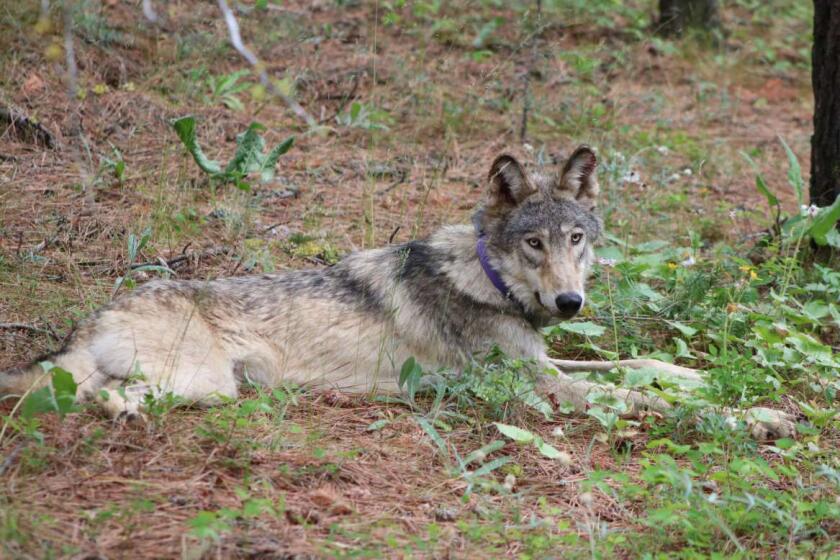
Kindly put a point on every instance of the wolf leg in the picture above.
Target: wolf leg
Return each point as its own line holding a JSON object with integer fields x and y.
{"x": 560, "y": 389}
{"x": 173, "y": 352}
{"x": 670, "y": 370}
{"x": 763, "y": 423}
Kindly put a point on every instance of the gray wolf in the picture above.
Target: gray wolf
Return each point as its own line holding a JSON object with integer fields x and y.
{"x": 521, "y": 265}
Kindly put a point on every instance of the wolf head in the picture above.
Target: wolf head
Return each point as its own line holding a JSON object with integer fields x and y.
{"x": 540, "y": 229}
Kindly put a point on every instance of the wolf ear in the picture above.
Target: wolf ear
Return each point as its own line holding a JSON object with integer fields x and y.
{"x": 578, "y": 180}
{"x": 509, "y": 184}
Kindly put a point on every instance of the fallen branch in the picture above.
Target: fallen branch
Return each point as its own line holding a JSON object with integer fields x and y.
{"x": 247, "y": 54}
{"x": 175, "y": 262}
{"x": 28, "y": 327}
{"x": 25, "y": 129}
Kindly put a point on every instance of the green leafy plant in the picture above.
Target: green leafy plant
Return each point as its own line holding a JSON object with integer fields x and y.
{"x": 248, "y": 158}
{"x": 226, "y": 88}
{"x": 364, "y": 116}
{"x": 525, "y": 437}
{"x": 58, "y": 397}
{"x": 135, "y": 246}
{"x": 819, "y": 224}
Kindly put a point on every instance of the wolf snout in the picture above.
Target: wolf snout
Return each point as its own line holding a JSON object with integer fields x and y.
{"x": 569, "y": 303}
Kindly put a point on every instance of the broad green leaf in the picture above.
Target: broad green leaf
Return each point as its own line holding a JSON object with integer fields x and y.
{"x": 824, "y": 222}
{"x": 794, "y": 173}
{"x": 38, "y": 402}
{"x": 248, "y": 156}
{"x": 484, "y": 451}
{"x": 491, "y": 466}
{"x": 267, "y": 170}
{"x": 548, "y": 450}
{"x": 763, "y": 189}
{"x": 64, "y": 389}
{"x": 682, "y": 349}
{"x": 518, "y": 435}
{"x": 683, "y": 328}
{"x": 59, "y": 396}
{"x": 641, "y": 377}
{"x": 185, "y": 128}
{"x": 815, "y": 310}
{"x": 812, "y": 348}
{"x": 760, "y": 185}
{"x": 605, "y": 418}
{"x": 651, "y": 246}
{"x": 676, "y": 448}
{"x": 407, "y": 368}
{"x": 610, "y": 253}
{"x": 434, "y": 435}
{"x": 378, "y": 425}
{"x": 832, "y": 238}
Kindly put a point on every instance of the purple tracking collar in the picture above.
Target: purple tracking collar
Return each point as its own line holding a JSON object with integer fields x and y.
{"x": 492, "y": 273}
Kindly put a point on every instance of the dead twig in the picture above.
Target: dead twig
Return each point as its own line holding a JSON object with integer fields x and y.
{"x": 175, "y": 262}
{"x": 247, "y": 54}
{"x": 10, "y": 458}
{"x": 28, "y": 327}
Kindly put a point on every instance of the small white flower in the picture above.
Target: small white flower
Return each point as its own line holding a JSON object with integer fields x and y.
{"x": 812, "y": 211}
{"x": 528, "y": 147}
{"x": 558, "y": 432}
{"x": 510, "y": 482}
{"x": 713, "y": 498}
{"x": 632, "y": 177}
{"x": 663, "y": 150}
{"x": 687, "y": 172}
{"x": 564, "y": 459}
{"x": 733, "y": 214}
{"x": 603, "y": 261}
{"x": 689, "y": 261}
{"x": 674, "y": 177}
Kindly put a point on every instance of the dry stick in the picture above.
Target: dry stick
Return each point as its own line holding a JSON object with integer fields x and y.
{"x": 27, "y": 327}
{"x": 236, "y": 41}
{"x": 149, "y": 11}
{"x": 25, "y": 128}
{"x": 212, "y": 252}
{"x": 526, "y": 87}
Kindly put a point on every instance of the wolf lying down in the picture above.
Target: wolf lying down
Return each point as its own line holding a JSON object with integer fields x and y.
{"x": 522, "y": 265}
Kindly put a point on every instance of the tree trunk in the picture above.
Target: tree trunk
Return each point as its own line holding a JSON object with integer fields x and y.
{"x": 825, "y": 143}
{"x": 675, "y": 16}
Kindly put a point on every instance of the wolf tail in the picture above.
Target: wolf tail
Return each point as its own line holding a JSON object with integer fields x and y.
{"x": 17, "y": 381}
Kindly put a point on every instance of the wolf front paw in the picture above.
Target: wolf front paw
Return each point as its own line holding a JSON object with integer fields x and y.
{"x": 767, "y": 424}
{"x": 130, "y": 417}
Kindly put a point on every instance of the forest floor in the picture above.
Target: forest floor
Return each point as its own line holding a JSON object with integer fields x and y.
{"x": 415, "y": 101}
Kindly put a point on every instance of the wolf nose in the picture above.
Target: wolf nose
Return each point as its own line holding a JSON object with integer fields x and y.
{"x": 569, "y": 303}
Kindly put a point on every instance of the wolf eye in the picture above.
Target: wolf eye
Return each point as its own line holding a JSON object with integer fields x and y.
{"x": 576, "y": 237}
{"x": 534, "y": 243}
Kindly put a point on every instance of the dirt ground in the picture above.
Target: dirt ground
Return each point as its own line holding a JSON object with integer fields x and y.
{"x": 437, "y": 114}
